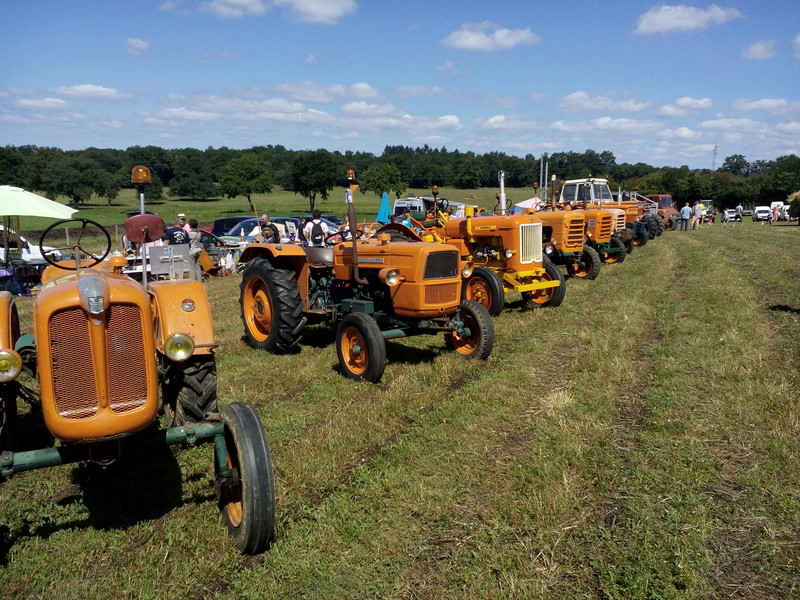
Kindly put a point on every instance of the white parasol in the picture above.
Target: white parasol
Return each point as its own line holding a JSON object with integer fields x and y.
{"x": 17, "y": 202}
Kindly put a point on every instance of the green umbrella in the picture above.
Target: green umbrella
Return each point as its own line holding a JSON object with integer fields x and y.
{"x": 17, "y": 202}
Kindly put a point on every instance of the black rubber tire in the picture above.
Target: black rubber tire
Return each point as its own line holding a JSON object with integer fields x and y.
{"x": 271, "y": 308}
{"x": 361, "y": 348}
{"x": 247, "y": 505}
{"x": 478, "y": 345}
{"x": 555, "y": 296}
{"x": 643, "y": 236}
{"x": 615, "y": 257}
{"x": 589, "y": 265}
{"x": 189, "y": 389}
{"x": 8, "y": 416}
{"x": 485, "y": 288}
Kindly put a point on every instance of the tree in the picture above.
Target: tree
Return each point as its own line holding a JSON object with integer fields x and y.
{"x": 192, "y": 176}
{"x": 736, "y": 164}
{"x": 313, "y": 173}
{"x": 382, "y": 178}
{"x": 75, "y": 177}
{"x": 244, "y": 176}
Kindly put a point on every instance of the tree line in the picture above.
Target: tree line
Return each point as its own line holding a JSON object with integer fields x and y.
{"x": 101, "y": 173}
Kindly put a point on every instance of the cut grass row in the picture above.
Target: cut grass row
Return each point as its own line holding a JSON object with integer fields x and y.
{"x": 640, "y": 441}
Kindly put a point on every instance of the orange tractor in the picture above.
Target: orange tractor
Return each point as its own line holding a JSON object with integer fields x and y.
{"x": 505, "y": 249}
{"x": 107, "y": 355}
{"x": 374, "y": 289}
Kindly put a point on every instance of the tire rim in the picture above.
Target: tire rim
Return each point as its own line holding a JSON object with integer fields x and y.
{"x": 257, "y": 309}
{"x": 580, "y": 268}
{"x": 478, "y": 290}
{"x": 542, "y": 296}
{"x": 466, "y": 345}
{"x": 354, "y": 350}
{"x": 232, "y": 494}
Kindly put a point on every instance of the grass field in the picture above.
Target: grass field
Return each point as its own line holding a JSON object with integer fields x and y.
{"x": 642, "y": 441}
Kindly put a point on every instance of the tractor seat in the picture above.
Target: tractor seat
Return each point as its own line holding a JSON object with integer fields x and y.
{"x": 319, "y": 257}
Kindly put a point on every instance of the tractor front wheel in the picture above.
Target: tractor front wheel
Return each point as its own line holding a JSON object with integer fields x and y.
{"x": 588, "y": 267}
{"x": 246, "y": 491}
{"x": 552, "y": 297}
{"x": 477, "y": 339}
{"x": 485, "y": 288}
{"x": 361, "y": 348}
{"x": 271, "y": 307}
{"x": 190, "y": 389}
{"x": 618, "y": 255}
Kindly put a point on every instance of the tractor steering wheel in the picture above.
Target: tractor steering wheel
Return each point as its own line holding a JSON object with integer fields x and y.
{"x": 443, "y": 205}
{"x": 78, "y": 246}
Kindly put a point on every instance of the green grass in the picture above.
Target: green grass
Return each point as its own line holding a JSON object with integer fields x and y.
{"x": 640, "y": 441}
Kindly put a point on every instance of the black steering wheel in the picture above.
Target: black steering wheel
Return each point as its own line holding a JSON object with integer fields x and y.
{"x": 443, "y": 204}
{"x": 77, "y": 247}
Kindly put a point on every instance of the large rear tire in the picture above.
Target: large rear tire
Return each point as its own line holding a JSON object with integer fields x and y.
{"x": 589, "y": 265}
{"x": 551, "y": 297}
{"x": 246, "y": 498}
{"x": 485, "y": 288}
{"x": 478, "y": 343}
{"x": 361, "y": 348}
{"x": 272, "y": 310}
{"x": 189, "y": 389}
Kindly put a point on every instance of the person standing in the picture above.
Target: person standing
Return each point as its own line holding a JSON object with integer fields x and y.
{"x": 183, "y": 223}
{"x": 316, "y": 230}
{"x": 176, "y": 235}
{"x": 739, "y": 211}
{"x": 697, "y": 215}
{"x": 195, "y": 248}
{"x": 686, "y": 214}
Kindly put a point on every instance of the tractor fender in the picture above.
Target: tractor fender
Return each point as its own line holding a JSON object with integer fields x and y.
{"x": 181, "y": 306}
{"x": 9, "y": 321}
{"x": 282, "y": 256}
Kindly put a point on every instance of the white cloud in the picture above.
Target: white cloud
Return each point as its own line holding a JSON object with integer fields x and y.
{"x": 684, "y": 106}
{"x": 422, "y": 91}
{"x": 311, "y": 59}
{"x": 325, "y": 12}
{"x": 775, "y": 106}
{"x": 665, "y": 18}
{"x": 762, "y": 50}
{"x": 580, "y": 101}
{"x": 606, "y": 125}
{"x": 367, "y": 110}
{"x": 88, "y": 91}
{"x": 509, "y": 123}
{"x": 364, "y": 91}
{"x": 308, "y": 91}
{"x": 450, "y": 67}
{"x": 47, "y": 104}
{"x": 174, "y": 7}
{"x": 136, "y": 46}
{"x": 681, "y": 133}
{"x": 796, "y": 46}
{"x": 488, "y": 37}
{"x": 733, "y": 125}
{"x": 234, "y": 9}
{"x": 182, "y": 113}
{"x": 791, "y": 128}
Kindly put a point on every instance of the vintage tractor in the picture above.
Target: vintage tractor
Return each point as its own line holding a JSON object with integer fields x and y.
{"x": 104, "y": 348}
{"x": 505, "y": 249}
{"x": 374, "y": 289}
{"x": 667, "y": 213}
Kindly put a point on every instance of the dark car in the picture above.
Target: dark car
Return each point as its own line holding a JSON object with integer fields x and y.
{"x": 225, "y": 224}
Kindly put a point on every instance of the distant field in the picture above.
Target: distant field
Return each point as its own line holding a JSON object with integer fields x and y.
{"x": 642, "y": 441}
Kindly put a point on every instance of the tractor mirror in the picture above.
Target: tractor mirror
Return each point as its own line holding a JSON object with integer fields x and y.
{"x": 142, "y": 229}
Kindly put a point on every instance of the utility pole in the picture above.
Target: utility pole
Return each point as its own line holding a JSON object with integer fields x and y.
{"x": 714, "y": 159}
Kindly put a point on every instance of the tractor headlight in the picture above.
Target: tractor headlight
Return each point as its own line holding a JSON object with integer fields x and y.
{"x": 509, "y": 253}
{"x": 10, "y": 365}
{"x": 466, "y": 269}
{"x": 548, "y": 249}
{"x": 179, "y": 347}
{"x": 390, "y": 277}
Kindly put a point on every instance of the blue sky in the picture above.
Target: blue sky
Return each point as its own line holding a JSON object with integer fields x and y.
{"x": 657, "y": 83}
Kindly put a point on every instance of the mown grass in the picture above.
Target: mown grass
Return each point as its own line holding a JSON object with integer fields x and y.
{"x": 640, "y": 441}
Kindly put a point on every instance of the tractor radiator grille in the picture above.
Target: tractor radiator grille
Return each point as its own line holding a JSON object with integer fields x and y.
{"x": 442, "y": 265}
{"x": 441, "y": 294}
{"x": 530, "y": 243}
{"x": 77, "y": 390}
{"x": 73, "y": 376}
{"x": 127, "y": 382}
{"x": 619, "y": 222}
{"x": 573, "y": 237}
{"x": 605, "y": 226}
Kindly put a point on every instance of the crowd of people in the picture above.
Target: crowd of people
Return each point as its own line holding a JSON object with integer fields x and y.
{"x": 691, "y": 217}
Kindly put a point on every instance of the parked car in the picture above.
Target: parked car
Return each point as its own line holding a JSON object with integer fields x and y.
{"x": 762, "y": 213}
{"x": 731, "y": 215}
{"x": 25, "y": 250}
{"x": 223, "y": 225}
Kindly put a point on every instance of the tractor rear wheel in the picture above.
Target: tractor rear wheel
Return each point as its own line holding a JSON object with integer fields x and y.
{"x": 552, "y": 297}
{"x": 190, "y": 389}
{"x": 361, "y": 348}
{"x": 485, "y": 288}
{"x": 478, "y": 343}
{"x": 642, "y": 236}
{"x": 588, "y": 267}
{"x": 272, "y": 310}
{"x": 614, "y": 257}
{"x": 246, "y": 497}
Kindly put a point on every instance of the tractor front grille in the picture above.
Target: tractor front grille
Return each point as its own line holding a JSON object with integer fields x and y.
{"x": 76, "y": 386}
{"x": 446, "y": 293}
{"x": 573, "y": 235}
{"x": 619, "y": 221}
{"x": 442, "y": 265}
{"x": 605, "y": 225}
{"x": 530, "y": 243}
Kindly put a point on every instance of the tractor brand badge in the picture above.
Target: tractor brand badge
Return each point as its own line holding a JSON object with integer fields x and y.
{"x": 592, "y": 222}
{"x": 485, "y": 228}
{"x": 370, "y": 260}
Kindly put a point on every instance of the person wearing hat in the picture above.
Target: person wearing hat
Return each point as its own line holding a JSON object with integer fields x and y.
{"x": 182, "y": 222}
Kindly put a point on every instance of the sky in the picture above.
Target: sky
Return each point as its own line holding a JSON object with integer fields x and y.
{"x": 664, "y": 84}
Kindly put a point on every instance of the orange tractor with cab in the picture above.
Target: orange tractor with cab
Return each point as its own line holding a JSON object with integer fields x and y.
{"x": 375, "y": 289}
{"x": 107, "y": 355}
